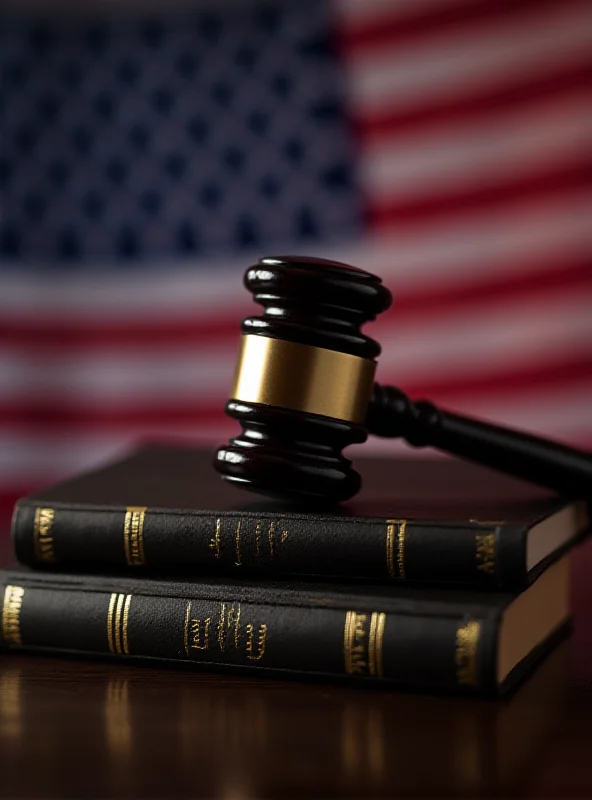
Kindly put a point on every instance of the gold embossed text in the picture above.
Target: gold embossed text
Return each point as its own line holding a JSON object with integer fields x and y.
{"x": 467, "y": 644}
{"x": 42, "y": 538}
{"x": 11, "y": 615}
{"x": 133, "y": 536}
{"x": 485, "y": 554}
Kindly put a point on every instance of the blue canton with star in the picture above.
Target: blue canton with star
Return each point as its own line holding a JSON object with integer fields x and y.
{"x": 204, "y": 133}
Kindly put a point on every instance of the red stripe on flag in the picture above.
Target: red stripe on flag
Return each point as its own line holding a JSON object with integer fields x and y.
{"x": 514, "y": 93}
{"x": 523, "y": 281}
{"x": 570, "y": 371}
{"x": 99, "y": 334}
{"x": 391, "y": 30}
{"x": 383, "y": 214}
{"x": 64, "y": 416}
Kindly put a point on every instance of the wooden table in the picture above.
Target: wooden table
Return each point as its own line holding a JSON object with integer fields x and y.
{"x": 73, "y": 729}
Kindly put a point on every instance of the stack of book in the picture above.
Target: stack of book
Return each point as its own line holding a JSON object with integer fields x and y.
{"x": 437, "y": 576}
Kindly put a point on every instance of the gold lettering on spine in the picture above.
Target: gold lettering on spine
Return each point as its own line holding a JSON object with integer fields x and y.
{"x": 229, "y": 626}
{"x": 267, "y": 537}
{"x": 133, "y": 536}
{"x": 348, "y": 634}
{"x": 354, "y": 642}
{"x": 363, "y": 644}
{"x": 258, "y": 539}
{"x": 237, "y": 628}
{"x": 256, "y": 647}
{"x": 237, "y": 544}
{"x": 358, "y": 652}
{"x": 216, "y": 541}
{"x": 395, "y": 547}
{"x": 225, "y": 632}
{"x": 467, "y": 645}
{"x": 42, "y": 539}
{"x": 186, "y": 628}
{"x": 11, "y": 616}
{"x": 222, "y": 626}
{"x": 200, "y": 635}
{"x": 230, "y": 623}
{"x": 485, "y": 552}
{"x": 401, "y": 548}
{"x": 390, "y": 546}
{"x": 117, "y": 623}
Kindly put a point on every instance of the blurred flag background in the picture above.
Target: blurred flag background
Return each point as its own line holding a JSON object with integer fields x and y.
{"x": 150, "y": 152}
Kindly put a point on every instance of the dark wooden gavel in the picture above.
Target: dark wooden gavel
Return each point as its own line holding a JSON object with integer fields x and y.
{"x": 304, "y": 389}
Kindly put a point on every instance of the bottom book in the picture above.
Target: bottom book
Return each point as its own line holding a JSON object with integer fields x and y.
{"x": 471, "y": 642}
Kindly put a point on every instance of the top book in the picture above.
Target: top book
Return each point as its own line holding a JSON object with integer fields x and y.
{"x": 163, "y": 509}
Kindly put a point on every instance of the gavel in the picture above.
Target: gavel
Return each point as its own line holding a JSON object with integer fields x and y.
{"x": 304, "y": 390}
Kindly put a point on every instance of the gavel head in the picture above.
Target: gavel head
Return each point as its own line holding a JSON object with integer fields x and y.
{"x": 303, "y": 379}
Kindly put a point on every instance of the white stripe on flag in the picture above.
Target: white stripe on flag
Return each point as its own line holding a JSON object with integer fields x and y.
{"x": 493, "y": 148}
{"x": 487, "y": 340}
{"x": 479, "y": 56}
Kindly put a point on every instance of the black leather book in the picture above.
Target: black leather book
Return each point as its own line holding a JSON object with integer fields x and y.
{"x": 477, "y": 643}
{"x": 164, "y": 510}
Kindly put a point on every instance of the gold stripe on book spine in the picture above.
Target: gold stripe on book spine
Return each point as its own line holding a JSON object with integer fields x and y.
{"x": 372, "y": 645}
{"x": 133, "y": 536}
{"x": 11, "y": 616}
{"x": 124, "y": 624}
{"x": 117, "y": 623}
{"x": 348, "y": 640}
{"x": 375, "y": 640}
{"x": 362, "y": 644}
{"x": 110, "y": 633}
{"x": 380, "y": 627}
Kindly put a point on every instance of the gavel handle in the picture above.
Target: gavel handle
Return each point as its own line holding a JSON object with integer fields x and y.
{"x": 564, "y": 469}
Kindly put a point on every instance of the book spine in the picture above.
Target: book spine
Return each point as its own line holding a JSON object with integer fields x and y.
{"x": 387, "y": 550}
{"x": 413, "y": 651}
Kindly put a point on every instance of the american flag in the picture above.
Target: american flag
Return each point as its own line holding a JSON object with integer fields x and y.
{"x": 147, "y": 158}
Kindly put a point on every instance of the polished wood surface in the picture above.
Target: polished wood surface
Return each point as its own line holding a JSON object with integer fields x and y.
{"x": 103, "y": 729}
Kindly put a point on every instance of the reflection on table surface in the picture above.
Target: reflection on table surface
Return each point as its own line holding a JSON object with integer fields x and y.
{"x": 70, "y": 728}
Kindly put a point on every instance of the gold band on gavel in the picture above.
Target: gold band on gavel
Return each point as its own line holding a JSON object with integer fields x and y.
{"x": 301, "y": 377}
